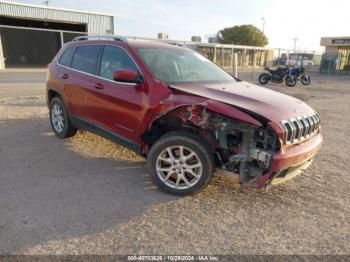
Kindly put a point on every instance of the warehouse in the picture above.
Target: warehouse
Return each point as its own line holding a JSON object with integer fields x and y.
{"x": 31, "y": 35}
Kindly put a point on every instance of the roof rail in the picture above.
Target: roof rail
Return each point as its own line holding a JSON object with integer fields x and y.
{"x": 101, "y": 37}
{"x": 171, "y": 42}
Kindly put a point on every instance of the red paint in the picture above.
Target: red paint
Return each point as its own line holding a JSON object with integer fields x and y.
{"x": 125, "y": 76}
{"x": 130, "y": 109}
{"x": 273, "y": 105}
{"x": 291, "y": 156}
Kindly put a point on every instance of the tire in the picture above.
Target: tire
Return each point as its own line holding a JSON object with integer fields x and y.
{"x": 59, "y": 119}
{"x": 175, "y": 175}
{"x": 264, "y": 79}
{"x": 291, "y": 81}
{"x": 305, "y": 80}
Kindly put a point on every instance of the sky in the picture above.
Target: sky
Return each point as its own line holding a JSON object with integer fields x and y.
{"x": 306, "y": 20}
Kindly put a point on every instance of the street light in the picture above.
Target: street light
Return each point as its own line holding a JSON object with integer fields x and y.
{"x": 263, "y": 19}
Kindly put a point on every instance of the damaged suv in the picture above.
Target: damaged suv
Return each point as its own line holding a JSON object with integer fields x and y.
{"x": 186, "y": 115}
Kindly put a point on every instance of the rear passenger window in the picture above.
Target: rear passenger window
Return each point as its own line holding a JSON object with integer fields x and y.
{"x": 113, "y": 59}
{"x": 85, "y": 58}
{"x": 67, "y": 56}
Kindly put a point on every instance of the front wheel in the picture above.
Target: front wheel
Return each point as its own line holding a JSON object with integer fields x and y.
{"x": 264, "y": 79}
{"x": 181, "y": 163}
{"x": 291, "y": 81}
{"x": 305, "y": 80}
{"x": 59, "y": 119}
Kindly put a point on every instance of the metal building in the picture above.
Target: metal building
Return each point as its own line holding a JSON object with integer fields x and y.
{"x": 31, "y": 35}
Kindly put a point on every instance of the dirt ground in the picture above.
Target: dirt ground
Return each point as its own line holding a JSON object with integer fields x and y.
{"x": 86, "y": 195}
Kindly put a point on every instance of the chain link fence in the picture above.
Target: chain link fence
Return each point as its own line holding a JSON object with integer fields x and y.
{"x": 29, "y": 47}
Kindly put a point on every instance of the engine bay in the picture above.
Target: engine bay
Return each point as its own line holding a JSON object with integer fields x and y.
{"x": 243, "y": 149}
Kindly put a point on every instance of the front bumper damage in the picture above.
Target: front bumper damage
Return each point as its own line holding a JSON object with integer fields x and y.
{"x": 288, "y": 163}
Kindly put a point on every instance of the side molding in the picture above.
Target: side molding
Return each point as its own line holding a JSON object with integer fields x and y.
{"x": 87, "y": 125}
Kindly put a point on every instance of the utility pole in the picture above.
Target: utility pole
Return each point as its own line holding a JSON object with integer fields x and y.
{"x": 296, "y": 57}
{"x": 295, "y": 43}
{"x": 46, "y": 2}
{"x": 263, "y": 19}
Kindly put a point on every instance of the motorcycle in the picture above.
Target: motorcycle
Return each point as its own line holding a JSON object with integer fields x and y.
{"x": 279, "y": 75}
{"x": 299, "y": 74}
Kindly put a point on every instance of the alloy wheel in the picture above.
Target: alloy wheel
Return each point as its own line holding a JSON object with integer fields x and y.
{"x": 179, "y": 167}
{"x": 57, "y": 118}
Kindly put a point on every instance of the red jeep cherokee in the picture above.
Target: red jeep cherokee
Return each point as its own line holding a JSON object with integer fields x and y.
{"x": 181, "y": 111}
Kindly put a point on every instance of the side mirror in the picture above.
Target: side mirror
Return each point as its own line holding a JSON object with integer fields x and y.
{"x": 126, "y": 76}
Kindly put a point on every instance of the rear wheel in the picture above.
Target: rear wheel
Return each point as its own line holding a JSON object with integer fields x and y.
{"x": 305, "y": 80}
{"x": 181, "y": 163}
{"x": 264, "y": 79}
{"x": 59, "y": 119}
{"x": 291, "y": 81}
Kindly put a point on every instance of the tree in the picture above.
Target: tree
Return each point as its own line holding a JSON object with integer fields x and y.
{"x": 242, "y": 35}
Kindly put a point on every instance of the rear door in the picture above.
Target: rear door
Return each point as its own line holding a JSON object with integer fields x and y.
{"x": 80, "y": 79}
{"x": 117, "y": 106}
{"x": 64, "y": 72}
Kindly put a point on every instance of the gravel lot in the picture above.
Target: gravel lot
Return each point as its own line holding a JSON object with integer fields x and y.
{"x": 87, "y": 195}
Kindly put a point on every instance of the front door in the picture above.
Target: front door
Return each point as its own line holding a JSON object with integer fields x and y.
{"x": 117, "y": 106}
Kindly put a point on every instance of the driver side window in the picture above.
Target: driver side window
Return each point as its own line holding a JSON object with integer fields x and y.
{"x": 113, "y": 59}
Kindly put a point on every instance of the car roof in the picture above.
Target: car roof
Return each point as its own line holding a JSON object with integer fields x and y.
{"x": 153, "y": 44}
{"x": 130, "y": 42}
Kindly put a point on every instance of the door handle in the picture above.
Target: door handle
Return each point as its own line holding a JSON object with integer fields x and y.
{"x": 99, "y": 86}
{"x": 64, "y": 76}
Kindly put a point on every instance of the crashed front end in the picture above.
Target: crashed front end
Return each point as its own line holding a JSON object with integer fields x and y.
{"x": 261, "y": 136}
{"x": 268, "y": 154}
{"x": 256, "y": 150}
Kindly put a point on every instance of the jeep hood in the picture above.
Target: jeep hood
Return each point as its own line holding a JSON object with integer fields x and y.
{"x": 268, "y": 103}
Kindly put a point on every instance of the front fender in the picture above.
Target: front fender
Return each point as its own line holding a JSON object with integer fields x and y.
{"x": 182, "y": 103}
{"x": 231, "y": 112}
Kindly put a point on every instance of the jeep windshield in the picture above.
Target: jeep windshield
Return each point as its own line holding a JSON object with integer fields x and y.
{"x": 180, "y": 66}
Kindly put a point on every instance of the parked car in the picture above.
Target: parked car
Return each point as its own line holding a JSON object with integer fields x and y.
{"x": 300, "y": 62}
{"x": 280, "y": 61}
{"x": 183, "y": 113}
